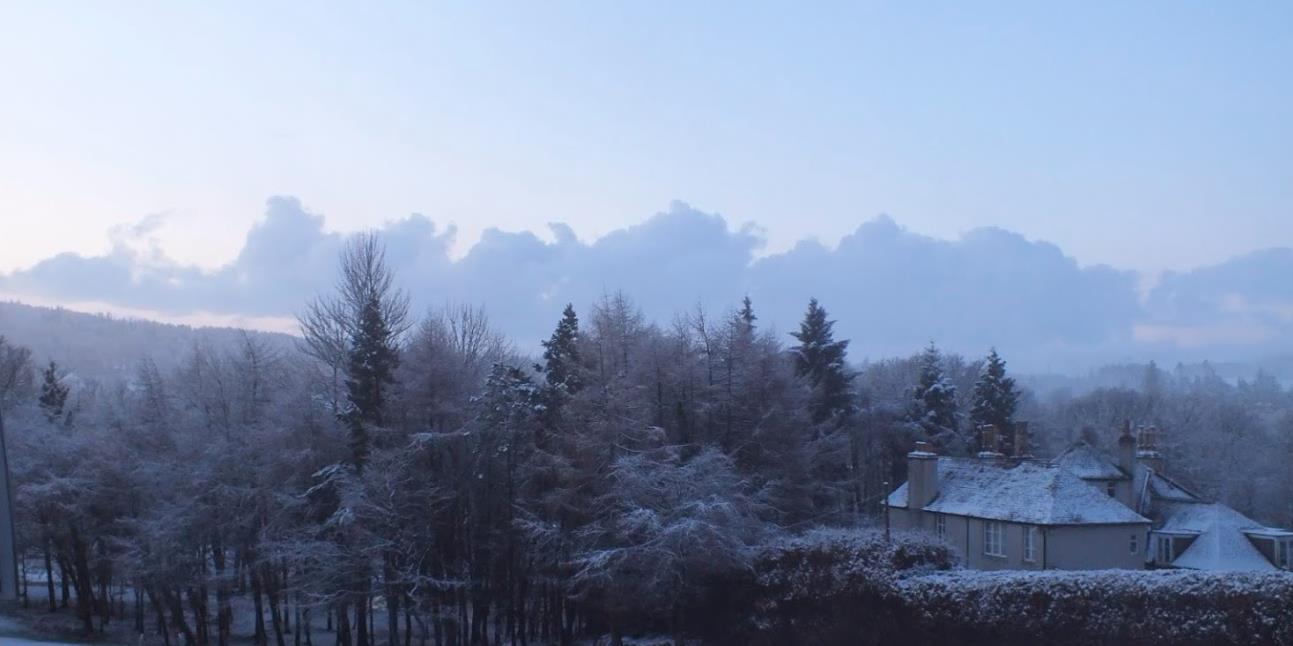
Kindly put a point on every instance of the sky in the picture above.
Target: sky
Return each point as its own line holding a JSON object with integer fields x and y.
{"x": 1147, "y": 136}
{"x": 1098, "y": 180}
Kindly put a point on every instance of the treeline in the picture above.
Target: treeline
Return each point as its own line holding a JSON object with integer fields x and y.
{"x": 414, "y": 482}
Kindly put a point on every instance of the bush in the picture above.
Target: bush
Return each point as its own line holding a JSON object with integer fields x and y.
{"x": 851, "y": 587}
{"x": 836, "y": 586}
{"x": 1100, "y": 607}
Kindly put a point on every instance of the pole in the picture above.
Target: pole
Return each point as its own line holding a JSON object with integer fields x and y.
{"x": 8, "y": 533}
{"x": 884, "y": 488}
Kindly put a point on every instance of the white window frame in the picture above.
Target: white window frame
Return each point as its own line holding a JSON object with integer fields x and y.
{"x": 940, "y": 525}
{"x": 1135, "y": 544}
{"x": 1166, "y": 550}
{"x": 1030, "y": 544}
{"x": 994, "y": 538}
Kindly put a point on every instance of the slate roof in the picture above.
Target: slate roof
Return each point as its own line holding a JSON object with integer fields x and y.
{"x": 1221, "y": 543}
{"x": 1089, "y": 463}
{"x": 1026, "y": 492}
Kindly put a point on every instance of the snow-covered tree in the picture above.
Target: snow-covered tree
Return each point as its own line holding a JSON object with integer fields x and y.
{"x": 933, "y": 403}
{"x": 820, "y": 360}
{"x": 995, "y": 400}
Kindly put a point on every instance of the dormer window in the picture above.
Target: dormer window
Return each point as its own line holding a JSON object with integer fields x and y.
{"x": 1111, "y": 488}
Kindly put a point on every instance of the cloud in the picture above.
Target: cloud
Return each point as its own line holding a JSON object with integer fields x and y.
{"x": 1245, "y": 303}
{"x": 891, "y": 290}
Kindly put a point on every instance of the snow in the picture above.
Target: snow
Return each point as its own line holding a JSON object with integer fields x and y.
{"x": 1026, "y": 492}
{"x": 1221, "y": 544}
{"x": 1089, "y": 463}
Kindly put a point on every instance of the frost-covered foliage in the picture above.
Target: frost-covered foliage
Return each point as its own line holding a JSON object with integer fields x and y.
{"x": 1101, "y": 607}
{"x": 933, "y": 404}
{"x": 835, "y": 586}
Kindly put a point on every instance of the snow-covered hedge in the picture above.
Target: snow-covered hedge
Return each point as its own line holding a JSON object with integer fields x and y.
{"x": 836, "y": 586}
{"x": 1101, "y": 607}
{"x": 851, "y": 587}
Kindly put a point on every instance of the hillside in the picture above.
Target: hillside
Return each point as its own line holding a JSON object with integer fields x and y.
{"x": 100, "y": 346}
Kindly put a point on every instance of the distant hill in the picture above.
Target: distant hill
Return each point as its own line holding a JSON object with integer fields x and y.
{"x": 101, "y": 346}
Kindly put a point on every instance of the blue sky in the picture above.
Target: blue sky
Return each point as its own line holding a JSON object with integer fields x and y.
{"x": 1142, "y": 135}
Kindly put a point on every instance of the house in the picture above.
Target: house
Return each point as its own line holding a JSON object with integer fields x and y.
{"x": 1081, "y": 510}
{"x": 1016, "y": 512}
{"x": 1188, "y": 531}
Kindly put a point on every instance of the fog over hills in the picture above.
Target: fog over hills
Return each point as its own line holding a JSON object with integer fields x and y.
{"x": 891, "y": 290}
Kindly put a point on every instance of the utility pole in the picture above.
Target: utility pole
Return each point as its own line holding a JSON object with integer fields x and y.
{"x": 8, "y": 533}
{"x": 884, "y": 489}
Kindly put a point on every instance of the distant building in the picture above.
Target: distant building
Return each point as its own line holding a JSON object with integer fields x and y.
{"x": 1082, "y": 510}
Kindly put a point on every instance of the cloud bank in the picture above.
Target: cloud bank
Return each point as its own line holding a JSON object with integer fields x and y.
{"x": 891, "y": 290}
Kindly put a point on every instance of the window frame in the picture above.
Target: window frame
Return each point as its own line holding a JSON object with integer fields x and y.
{"x": 1135, "y": 544}
{"x": 1166, "y": 552}
{"x": 1030, "y": 543}
{"x": 1284, "y": 553}
{"x": 940, "y": 525}
{"x": 994, "y": 530}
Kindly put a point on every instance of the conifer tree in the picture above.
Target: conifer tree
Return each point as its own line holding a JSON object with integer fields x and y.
{"x": 995, "y": 401}
{"x": 933, "y": 405}
{"x": 53, "y": 394}
{"x": 746, "y": 315}
{"x": 371, "y": 368}
{"x": 819, "y": 358}
{"x": 561, "y": 354}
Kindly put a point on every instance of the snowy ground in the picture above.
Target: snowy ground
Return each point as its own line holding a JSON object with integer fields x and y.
{"x": 9, "y": 628}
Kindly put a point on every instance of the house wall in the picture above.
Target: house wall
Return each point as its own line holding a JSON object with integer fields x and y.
{"x": 1077, "y": 547}
{"x": 1096, "y": 547}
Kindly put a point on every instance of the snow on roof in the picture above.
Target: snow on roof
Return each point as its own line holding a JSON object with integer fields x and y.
{"x": 1221, "y": 544}
{"x": 1161, "y": 487}
{"x": 1089, "y": 463}
{"x": 1026, "y": 492}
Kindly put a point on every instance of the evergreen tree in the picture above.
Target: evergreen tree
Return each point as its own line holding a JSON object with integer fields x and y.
{"x": 819, "y": 358}
{"x": 561, "y": 354}
{"x": 933, "y": 405}
{"x": 371, "y": 368}
{"x": 995, "y": 401}
{"x": 53, "y": 394}
{"x": 746, "y": 315}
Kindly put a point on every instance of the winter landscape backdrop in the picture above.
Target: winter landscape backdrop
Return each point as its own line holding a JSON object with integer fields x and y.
{"x": 396, "y": 324}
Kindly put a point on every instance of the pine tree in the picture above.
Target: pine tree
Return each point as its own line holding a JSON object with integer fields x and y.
{"x": 933, "y": 405}
{"x": 819, "y": 358}
{"x": 561, "y": 354}
{"x": 53, "y": 394}
{"x": 371, "y": 368}
{"x": 995, "y": 401}
{"x": 746, "y": 315}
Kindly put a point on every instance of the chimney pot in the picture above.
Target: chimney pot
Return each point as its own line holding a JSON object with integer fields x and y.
{"x": 1022, "y": 449}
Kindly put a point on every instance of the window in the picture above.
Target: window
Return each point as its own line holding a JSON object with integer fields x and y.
{"x": 1030, "y": 544}
{"x": 940, "y": 525}
{"x": 1111, "y": 488}
{"x": 994, "y": 539}
{"x": 1165, "y": 552}
{"x": 1284, "y": 554}
{"x": 1135, "y": 544}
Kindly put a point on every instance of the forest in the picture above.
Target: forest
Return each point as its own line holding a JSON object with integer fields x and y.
{"x": 395, "y": 478}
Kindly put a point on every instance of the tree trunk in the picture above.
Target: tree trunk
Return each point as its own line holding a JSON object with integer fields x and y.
{"x": 343, "y": 624}
{"x": 258, "y": 602}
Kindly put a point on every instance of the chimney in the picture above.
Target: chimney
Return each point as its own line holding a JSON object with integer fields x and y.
{"x": 1022, "y": 449}
{"x": 1126, "y": 449}
{"x": 989, "y": 447}
{"x": 1147, "y": 448}
{"x": 922, "y": 476}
